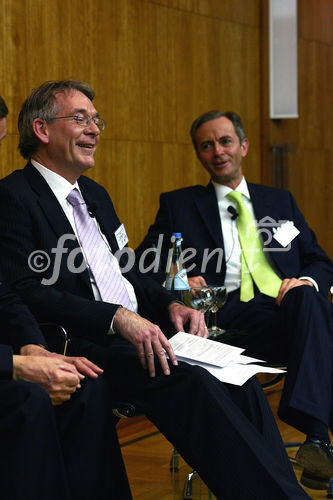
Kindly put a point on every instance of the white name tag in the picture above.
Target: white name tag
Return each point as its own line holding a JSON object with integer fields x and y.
{"x": 121, "y": 236}
{"x": 286, "y": 233}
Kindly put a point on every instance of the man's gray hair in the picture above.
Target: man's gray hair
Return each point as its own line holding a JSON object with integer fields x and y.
{"x": 42, "y": 103}
{"x": 3, "y": 108}
{"x": 213, "y": 115}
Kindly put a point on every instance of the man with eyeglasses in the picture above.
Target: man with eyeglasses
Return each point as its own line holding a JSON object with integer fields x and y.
{"x": 49, "y": 404}
{"x": 111, "y": 315}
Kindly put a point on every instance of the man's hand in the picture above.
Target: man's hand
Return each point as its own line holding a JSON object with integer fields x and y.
{"x": 287, "y": 284}
{"x": 34, "y": 350}
{"x": 58, "y": 378}
{"x": 83, "y": 365}
{"x": 196, "y": 281}
{"x": 180, "y": 315}
{"x": 146, "y": 337}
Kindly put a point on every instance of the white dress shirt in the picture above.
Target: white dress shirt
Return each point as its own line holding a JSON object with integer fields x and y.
{"x": 61, "y": 189}
{"x": 232, "y": 246}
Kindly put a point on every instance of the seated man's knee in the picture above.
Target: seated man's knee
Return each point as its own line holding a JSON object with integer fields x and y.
{"x": 301, "y": 293}
{"x": 31, "y": 396}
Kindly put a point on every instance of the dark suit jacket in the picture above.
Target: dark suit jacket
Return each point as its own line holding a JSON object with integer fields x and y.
{"x": 193, "y": 211}
{"x": 18, "y": 328}
{"x": 31, "y": 220}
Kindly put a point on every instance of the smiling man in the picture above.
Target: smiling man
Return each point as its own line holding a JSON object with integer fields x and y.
{"x": 44, "y": 448}
{"x": 278, "y": 285}
{"x": 221, "y": 150}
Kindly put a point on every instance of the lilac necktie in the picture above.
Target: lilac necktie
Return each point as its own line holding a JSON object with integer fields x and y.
{"x": 107, "y": 278}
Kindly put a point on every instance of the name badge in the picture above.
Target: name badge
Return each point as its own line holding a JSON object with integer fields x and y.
{"x": 121, "y": 236}
{"x": 286, "y": 233}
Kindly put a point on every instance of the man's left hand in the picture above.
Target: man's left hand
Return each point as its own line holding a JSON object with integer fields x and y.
{"x": 83, "y": 365}
{"x": 287, "y": 284}
{"x": 180, "y": 315}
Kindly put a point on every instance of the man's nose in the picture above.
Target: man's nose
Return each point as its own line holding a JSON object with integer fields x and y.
{"x": 218, "y": 148}
{"x": 92, "y": 128}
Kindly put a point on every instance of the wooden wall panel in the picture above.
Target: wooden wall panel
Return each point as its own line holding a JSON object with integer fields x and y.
{"x": 310, "y": 166}
{"x": 311, "y": 182}
{"x": 238, "y": 11}
{"x": 148, "y": 166}
{"x": 155, "y": 66}
{"x": 315, "y": 99}
{"x": 316, "y": 20}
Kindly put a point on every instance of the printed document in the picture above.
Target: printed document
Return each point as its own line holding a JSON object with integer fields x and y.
{"x": 225, "y": 362}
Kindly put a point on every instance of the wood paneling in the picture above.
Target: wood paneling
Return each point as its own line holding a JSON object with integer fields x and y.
{"x": 310, "y": 166}
{"x": 155, "y": 66}
{"x": 316, "y": 20}
{"x": 238, "y": 11}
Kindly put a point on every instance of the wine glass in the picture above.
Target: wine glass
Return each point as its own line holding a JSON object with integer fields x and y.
{"x": 220, "y": 295}
{"x": 200, "y": 298}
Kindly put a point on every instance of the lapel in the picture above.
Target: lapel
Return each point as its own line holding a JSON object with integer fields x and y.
{"x": 261, "y": 200}
{"x": 266, "y": 209}
{"x": 47, "y": 201}
{"x": 207, "y": 206}
{"x": 53, "y": 212}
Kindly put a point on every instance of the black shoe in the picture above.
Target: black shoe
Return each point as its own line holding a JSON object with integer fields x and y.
{"x": 316, "y": 456}
{"x": 313, "y": 481}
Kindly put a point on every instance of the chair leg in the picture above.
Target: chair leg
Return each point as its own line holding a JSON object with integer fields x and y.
{"x": 174, "y": 461}
{"x": 188, "y": 485}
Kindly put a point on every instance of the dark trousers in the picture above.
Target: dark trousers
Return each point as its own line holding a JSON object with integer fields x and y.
{"x": 31, "y": 462}
{"x": 298, "y": 333}
{"x": 228, "y": 434}
{"x": 67, "y": 452}
{"x": 89, "y": 442}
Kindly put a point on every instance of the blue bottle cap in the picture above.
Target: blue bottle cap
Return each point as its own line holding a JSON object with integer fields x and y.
{"x": 177, "y": 235}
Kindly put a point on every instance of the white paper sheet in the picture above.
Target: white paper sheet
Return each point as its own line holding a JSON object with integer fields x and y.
{"x": 203, "y": 350}
{"x": 224, "y": 362}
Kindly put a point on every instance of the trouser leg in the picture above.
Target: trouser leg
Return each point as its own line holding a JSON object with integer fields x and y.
{"x": 31, "y": 461}
{"x": 227, "y": 434}
{"x": 91, "y": 450}
{"x": 299, "y": 332}
{"x": 308, "y": 386}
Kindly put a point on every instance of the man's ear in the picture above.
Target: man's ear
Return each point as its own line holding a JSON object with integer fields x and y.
{"x": 245, "y": 147}
{"x": 40, "y": 127}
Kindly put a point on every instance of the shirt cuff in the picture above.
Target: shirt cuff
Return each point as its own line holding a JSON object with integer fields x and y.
{"x": 111, "y": 330}
{"x": 312, "y": 281}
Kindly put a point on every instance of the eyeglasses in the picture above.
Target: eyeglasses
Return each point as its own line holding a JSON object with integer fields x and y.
{"x": 84, "y": 122}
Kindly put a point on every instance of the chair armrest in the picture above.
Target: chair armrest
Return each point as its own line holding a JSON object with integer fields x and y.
{"x": 56, "y": 337}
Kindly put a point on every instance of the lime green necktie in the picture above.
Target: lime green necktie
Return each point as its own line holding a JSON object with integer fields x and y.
{"x": 254, "y": 264}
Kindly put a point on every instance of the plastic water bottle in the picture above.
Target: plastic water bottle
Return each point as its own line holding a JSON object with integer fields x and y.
{"x": 176, "y": 276}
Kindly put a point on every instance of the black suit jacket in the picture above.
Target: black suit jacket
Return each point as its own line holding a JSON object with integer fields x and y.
{"x": 193, "y": 211}
{"x": 18, "y": 328}
{"x": 31, "y": 223}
